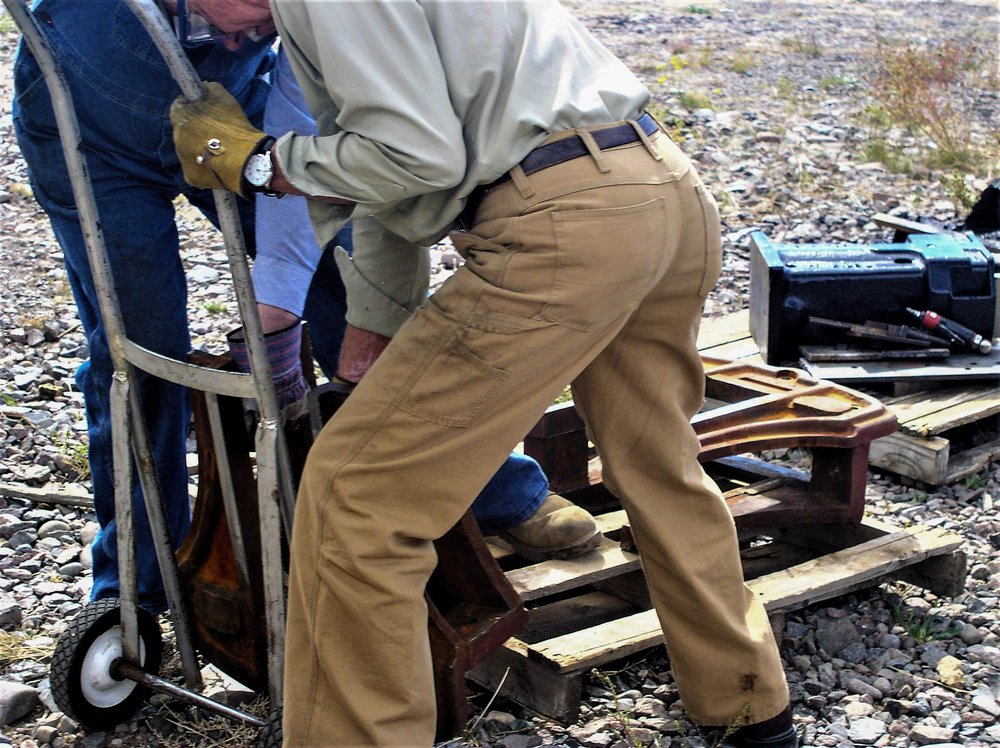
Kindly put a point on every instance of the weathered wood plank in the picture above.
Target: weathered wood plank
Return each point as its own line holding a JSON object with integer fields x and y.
{"x": 580, "y": 611}
{"x": 928, "y": 412}
{"x": 726, "y": 329}
{"x": 67, "y": 495}
{"x": 971, "y": 461}
{"x": 795, "y": 587}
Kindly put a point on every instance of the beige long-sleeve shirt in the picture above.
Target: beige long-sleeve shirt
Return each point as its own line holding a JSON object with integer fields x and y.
{"x": 419, "y": 101}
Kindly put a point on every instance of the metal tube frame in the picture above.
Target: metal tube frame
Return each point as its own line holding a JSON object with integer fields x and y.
{"x": 130, "y": 437}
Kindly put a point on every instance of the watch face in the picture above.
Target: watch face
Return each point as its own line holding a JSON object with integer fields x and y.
{"x": 258, "y": 171}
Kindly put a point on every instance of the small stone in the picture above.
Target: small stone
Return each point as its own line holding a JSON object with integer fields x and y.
{"x": 950, "y": 671}
{"x": 930, "y": 734}
{"x": 984, "y": 699}
{"x": 858, "y": 686}
{"x": 44, "y": 733}
{"x": 833, "y": 634}
{"x": 54, "y": 528}
{"x": 16, "y": 701}
{"x": 10, "y": 612}
{"x": 866, "y": 730}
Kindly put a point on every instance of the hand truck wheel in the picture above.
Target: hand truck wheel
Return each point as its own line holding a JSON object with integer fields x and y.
{"x": 271, "y": 735}
{"x": 83, "y": 684}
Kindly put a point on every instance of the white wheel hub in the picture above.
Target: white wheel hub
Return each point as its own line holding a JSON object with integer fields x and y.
{"x": 100, "y": 688}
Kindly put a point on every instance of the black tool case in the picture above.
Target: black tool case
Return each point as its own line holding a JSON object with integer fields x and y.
{"x": 951, "y": 274}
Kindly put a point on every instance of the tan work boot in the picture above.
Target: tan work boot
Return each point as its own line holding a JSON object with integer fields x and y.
{"x": 557, "y": 529}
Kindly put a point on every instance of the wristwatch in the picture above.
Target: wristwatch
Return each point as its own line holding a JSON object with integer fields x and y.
{"x": 258, "y": 171}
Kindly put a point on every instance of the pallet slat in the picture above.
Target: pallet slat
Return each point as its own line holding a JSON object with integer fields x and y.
{"x": 552, "y": 577}
{"x": 795, "y": 587}
{"x": 930, "y": 412}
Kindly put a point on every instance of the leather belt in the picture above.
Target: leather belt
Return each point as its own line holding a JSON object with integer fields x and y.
{"x": 560, "y": 152}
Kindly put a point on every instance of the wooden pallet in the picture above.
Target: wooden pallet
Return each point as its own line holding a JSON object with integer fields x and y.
{"x": 930, "y": 422}
{"x": 928, "y": 447}
{"x": 586, "y": 613}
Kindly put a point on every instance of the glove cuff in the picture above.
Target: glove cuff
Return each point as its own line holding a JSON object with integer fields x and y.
{"x": 284, "y": 353}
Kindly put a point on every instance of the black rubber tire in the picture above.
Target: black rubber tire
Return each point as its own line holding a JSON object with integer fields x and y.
{"x": 67, "y": 669}
{"x": 271, "y": 735}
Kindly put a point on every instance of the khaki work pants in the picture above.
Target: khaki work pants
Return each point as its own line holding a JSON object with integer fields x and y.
{"x": 592, "y": 272}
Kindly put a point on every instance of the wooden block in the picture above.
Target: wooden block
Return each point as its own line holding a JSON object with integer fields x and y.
{"x": 533, "y": 684}
{"x": 550, "y": 577}
{"x": 922, "y": 458}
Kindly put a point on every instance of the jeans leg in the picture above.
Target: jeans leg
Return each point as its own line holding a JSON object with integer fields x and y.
{"x": 141, "y": 241}
{"x": 326, "y": 307}
{"x": 513, "y": 494}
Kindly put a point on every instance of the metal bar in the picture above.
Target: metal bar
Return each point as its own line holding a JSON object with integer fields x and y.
{"x": 124, "y": 516}
{"x": 272, "y": 573}
{"x": 162, "y": 544}
{"x": 231, "y": 383}
{"x": 124, "y": 669}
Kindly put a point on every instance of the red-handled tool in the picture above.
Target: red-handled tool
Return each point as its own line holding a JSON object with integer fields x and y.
{"x": 955, "y": 333}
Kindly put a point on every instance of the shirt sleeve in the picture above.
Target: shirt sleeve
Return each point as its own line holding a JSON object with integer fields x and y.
{"x": 386, "y": 278}
{"x": 288, "y": 251}
{"x": 373, "y": 77}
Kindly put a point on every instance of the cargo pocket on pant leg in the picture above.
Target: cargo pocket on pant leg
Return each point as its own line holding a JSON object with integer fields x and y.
{"x": 455, "y": 386}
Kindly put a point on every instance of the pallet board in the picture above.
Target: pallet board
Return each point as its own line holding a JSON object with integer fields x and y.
{"x": 924, "y": 448}
{"x": 566, "y": 637}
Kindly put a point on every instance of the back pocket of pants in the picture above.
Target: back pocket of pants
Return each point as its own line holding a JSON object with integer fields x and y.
{"x": 606, "y": 261}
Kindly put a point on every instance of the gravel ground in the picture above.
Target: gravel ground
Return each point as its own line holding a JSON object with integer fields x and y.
{"x": 776, "y": 102}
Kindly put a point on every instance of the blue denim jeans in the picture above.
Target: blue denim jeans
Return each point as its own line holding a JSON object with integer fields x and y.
{"x": 122, "y": 91}
{"x": 284, "y": 233}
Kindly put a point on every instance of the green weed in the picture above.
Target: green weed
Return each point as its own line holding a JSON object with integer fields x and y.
{"x": 833, "y": 82}
{"x": 698, "y": 10}
{"x": 215, "y": 307}
{"x": 786, "y": 88}
{"x": 893, "y": 158}
{"x": 922, "y": 629}
{"x": 974, "y": 482}
{"x": 75, "y": 453}
{"x": 7, "y": 25}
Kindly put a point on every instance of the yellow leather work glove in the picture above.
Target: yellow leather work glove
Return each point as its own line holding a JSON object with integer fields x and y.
{"x": 213, "y": 138}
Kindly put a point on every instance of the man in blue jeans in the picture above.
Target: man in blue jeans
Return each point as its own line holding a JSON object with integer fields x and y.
{"x": 122, "y": 91}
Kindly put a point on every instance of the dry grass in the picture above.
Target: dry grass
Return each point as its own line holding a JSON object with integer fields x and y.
{"x": 16, "y": 646}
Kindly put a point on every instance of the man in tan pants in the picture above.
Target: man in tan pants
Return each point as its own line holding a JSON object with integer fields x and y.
{"x": 590, "y": 246}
